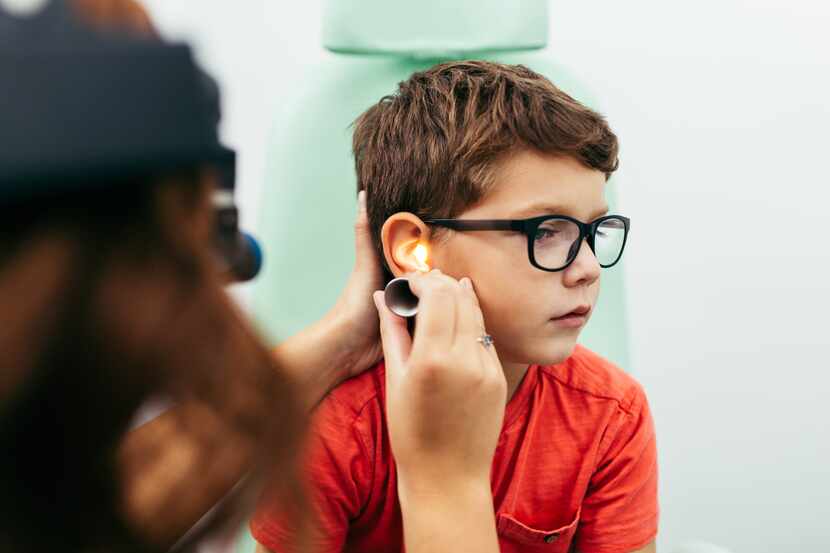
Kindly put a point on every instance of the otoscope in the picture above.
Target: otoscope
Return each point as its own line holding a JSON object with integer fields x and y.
{"x": 239, "y": 252}
{"x": 398, "y": 295}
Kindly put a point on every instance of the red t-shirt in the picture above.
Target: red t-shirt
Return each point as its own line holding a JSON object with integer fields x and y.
{"x": 576, "y": 464}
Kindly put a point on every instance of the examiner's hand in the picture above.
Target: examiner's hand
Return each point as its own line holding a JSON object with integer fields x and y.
{"x": 346, "y": 341}
{"x": 354, "y": 310}
{"x": 445, "y": 391}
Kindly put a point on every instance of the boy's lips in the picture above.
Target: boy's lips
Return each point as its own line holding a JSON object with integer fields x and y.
{"x": 575, "y": 317}
{"x": 579, "y": 310}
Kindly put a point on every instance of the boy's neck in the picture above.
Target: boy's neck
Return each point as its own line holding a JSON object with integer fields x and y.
{"x": 514, "y": 373}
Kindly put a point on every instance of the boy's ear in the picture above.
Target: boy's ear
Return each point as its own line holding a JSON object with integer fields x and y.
{"x": 405, "y": 240}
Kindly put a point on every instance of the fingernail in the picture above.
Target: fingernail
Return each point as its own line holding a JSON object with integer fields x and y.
{"x": 361, "y": 200}
{"x": 465, "y": 282}
{"x": 376, "y": 298}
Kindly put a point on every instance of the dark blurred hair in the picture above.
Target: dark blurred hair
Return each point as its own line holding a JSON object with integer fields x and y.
{"x": 125, "y": 16}
{"x": 133, "y": 312}
{"x": 107, "y": 302}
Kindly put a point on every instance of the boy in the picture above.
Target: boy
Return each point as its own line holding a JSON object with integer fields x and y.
{"x": 501, "y": 176}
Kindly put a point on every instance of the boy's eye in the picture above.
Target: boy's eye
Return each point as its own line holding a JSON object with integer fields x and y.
{"x": 556, "y": 230}
{"x": 543, "y": 233}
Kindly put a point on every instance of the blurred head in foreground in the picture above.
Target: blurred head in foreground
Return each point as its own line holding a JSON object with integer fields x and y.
{"x": 111, "y": 295}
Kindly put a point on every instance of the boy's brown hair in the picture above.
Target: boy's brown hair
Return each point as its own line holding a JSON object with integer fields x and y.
{"x": 430, "y": 148}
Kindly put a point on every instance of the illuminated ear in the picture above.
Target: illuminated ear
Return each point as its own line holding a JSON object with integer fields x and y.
{"x": 405, "y": 244}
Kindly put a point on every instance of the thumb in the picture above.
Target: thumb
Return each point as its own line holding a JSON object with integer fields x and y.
{"x": 397, "y": 343}
{"x": 365, "y": 253}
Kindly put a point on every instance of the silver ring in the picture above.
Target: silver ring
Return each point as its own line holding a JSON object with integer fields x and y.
{"x": 485, "y": 340}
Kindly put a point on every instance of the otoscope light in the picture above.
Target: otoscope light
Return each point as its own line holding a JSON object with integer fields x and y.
{"x": 421, "y": 253}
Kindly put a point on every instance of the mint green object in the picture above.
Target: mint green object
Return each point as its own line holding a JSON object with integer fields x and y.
{"x": 309, "y": 198}
{"x": 434, "y": 28}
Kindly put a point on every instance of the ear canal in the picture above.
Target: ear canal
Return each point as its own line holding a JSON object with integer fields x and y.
{"x": 421, "y": 254}
{"x": 413, "y": 256}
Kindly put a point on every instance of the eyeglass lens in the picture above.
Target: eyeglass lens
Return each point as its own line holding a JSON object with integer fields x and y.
{"x": 556, "y": 242}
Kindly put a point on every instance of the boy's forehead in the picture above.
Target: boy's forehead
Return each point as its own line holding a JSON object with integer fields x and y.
{"x": 529, "y": 183}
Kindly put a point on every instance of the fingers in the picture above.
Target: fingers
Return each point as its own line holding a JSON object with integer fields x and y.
{"x": 472, "y": 325}
{"x": 395, "y": 338}
{"x": 365, "y": 255}
{"x": 438, "y": 296}
{"x": 470, "y": 318}
{"x": 449, "y": 324}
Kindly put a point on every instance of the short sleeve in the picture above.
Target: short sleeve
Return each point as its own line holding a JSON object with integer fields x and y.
{"x": 620, "y": 510}
{"x": 338, "y": 474}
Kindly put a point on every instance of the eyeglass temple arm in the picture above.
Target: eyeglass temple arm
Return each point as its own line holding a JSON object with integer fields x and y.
{"x": 521, "y": 225}
{"x": 478, "y": 224}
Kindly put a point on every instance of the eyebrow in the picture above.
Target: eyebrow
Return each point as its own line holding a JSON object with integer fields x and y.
{"x": 552, "y": 209}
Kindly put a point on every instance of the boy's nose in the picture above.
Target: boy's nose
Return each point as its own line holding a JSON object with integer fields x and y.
{"x": 585, "y": 268}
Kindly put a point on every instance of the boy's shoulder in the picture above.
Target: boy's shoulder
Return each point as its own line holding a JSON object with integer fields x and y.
{"x": 586, "y": 372}
{"x": 354, "y": 395}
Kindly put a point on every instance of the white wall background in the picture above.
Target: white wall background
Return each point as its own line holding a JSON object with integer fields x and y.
{"x": 722, "y": 110}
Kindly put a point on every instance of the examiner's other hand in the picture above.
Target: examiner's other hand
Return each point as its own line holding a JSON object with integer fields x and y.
{"x": 354, "y": 311}
{"x": 445, "y": 391}
{"x": 346, "y": 341}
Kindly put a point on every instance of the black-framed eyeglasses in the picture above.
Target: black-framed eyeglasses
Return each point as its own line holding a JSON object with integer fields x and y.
{"x": 553, "y": 241}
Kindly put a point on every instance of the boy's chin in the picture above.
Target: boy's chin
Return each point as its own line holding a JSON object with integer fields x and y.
{"x": 553, "y": 354}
